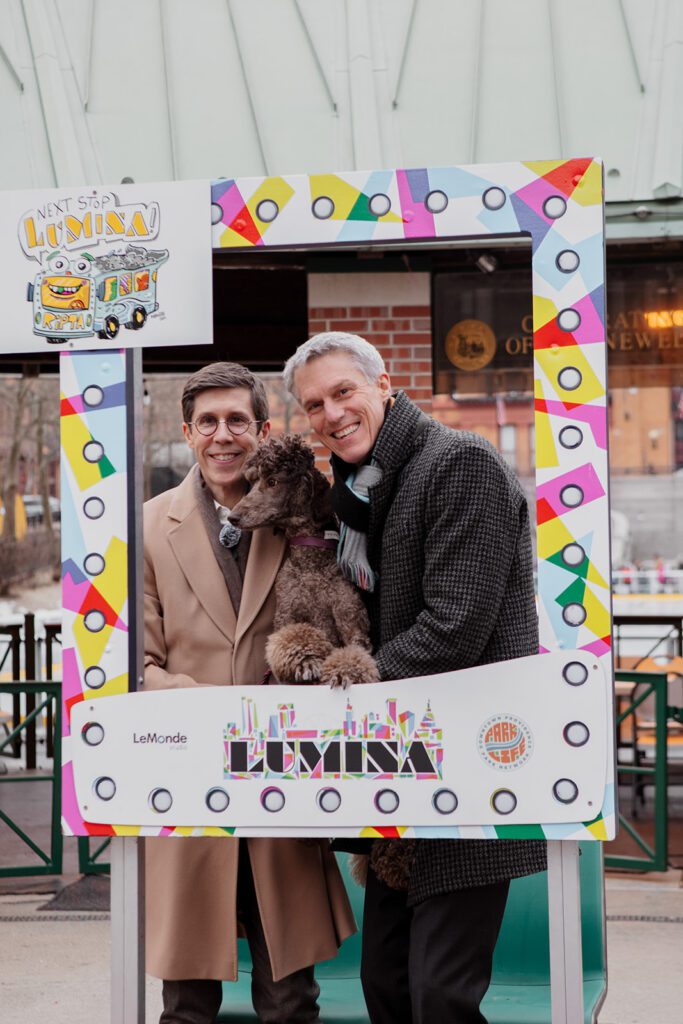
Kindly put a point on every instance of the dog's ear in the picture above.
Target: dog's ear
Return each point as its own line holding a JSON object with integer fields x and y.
{"x": 321, "y": 504}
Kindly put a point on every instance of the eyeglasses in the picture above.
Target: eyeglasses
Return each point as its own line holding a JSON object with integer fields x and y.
{"x": 208, "y": 424}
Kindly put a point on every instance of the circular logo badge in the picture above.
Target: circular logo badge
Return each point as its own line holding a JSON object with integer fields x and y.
{"x": 505, "y": 742}
{"x": 470, "y": 344}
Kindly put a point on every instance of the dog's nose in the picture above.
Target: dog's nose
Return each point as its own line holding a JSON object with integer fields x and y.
{"x": 235, "y": 518}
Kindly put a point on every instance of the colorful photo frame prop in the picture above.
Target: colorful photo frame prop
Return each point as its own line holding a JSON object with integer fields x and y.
{"x": 559, "y": 205}
{"x": 87, "y": 269}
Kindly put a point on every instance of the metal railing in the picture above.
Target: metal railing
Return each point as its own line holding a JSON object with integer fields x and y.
{"x": 42, "y": 695}
{"x": 654, "y": 772}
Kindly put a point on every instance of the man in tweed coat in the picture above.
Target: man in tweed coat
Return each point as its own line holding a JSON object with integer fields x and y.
{"x": 435, "y": 528}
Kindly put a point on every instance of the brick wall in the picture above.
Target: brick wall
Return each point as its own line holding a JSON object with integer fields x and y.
{"x": 401, "y": 333}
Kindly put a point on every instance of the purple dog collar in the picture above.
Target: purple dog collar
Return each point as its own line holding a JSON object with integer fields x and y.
{"x": 313, "y": 542}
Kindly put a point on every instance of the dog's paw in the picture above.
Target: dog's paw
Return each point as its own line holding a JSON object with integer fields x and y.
{"x": 297, "y": 652}
{"x": 347, "y": 665}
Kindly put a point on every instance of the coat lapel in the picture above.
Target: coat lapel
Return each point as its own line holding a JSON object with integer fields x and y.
{"x": 190, "y": 545}
{"x": 395, "y": 446}
{"x": 266, "y": 555}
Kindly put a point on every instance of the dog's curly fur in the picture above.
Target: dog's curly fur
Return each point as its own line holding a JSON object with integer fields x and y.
{"x": 321, "y": 625}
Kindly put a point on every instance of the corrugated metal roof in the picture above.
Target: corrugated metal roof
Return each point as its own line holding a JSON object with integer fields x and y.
{"x": 95, "y": 91}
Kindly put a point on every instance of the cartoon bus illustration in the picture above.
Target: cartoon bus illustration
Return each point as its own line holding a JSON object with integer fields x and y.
{"x": 83, "y": 295}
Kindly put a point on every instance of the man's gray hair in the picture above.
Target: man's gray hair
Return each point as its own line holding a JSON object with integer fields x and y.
{"x": 364, "y": 355}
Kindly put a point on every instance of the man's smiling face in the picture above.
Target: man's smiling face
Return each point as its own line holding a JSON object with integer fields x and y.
{"x": 344, "y": 409}
{"x": 221, "y": 455}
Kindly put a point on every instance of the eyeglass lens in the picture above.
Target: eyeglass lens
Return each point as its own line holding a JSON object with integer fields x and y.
{"x": 209, "y": 424}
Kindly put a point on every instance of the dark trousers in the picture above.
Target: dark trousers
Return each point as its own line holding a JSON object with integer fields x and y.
{"x": 431, "y": 962}
{"x": 291, "y": 1000}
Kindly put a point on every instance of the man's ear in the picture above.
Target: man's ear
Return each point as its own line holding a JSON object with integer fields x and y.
{"x": 188, "y": 435}
{"x": 384, "y": 384}
{"x": 265, "y": 430}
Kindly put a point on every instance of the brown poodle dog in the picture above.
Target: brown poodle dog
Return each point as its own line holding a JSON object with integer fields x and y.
{"x": 321, "y": 625}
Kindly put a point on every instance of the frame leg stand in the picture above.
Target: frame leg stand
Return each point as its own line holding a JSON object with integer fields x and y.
{"x": 127, "y": 932}
{"x": 564, "y": 913}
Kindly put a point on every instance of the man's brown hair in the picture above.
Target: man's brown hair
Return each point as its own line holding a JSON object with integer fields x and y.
{"x": 225, "y": 375}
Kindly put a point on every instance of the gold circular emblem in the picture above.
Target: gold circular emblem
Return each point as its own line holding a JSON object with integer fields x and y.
{"x": 470, "y": 344}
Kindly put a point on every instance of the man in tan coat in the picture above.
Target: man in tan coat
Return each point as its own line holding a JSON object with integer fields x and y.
{"x": 209, "y": 607}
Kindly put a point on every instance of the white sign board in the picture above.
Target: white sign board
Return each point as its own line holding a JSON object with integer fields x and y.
{"x": 514, "y": 743}
{"x": 100, "y": 268}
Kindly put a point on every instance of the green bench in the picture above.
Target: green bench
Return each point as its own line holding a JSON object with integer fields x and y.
{"x": 520, "y": 988}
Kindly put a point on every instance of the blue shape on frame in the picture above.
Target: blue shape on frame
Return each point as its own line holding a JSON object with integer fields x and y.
{"x": 530, "y": 221}
{"x": 72, "y": 536}
{"x": 219, "y": 188}
{"x": 457, "y": 183}
{"x": 357, "y": 231}
{"x": 379, "y": 181}
{"x": 104, "y": 368}
{"x": 418, "y": 183}
{"x": 597, "y": 297}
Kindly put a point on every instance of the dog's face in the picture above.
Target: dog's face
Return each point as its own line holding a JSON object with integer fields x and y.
{"x": 286, "y": 490}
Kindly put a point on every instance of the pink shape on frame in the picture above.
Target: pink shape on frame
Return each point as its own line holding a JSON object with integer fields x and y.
{"x": 231, "y": 202}
{"x": 535, "y": 194}
{"x": 73, "y": 594}
{"x": 591, "y": 330}
{"x": 584, "y": 477}
{"x": 71, "y": 683}
{"x": 420, "y": 223}
{"x": 593, "y": 415}
{"x": 70, "y": 810}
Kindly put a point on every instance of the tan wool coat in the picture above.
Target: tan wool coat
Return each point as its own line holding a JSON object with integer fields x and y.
{"x": 192, "y": 637}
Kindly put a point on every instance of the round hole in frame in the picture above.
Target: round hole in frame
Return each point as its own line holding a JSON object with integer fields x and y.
{"x": 571, "y": 437}
{"x": 565, "y": 791}
{"x": 160, "y": 800}
{"x": 217, "y": 800}
{"x": 323, "y": 207}
{"x": 94, "y": 620}
{"x": 104, "y": 787}
{"x": 569, "y": 320}
{"x": 92, "y": 733}
{"x": 93, "y": 396}
{"x": 216, "y": 213}
{"x": 503, "y": 801}
{"x": 445, "y": 801}
{"x": 95, "y": 677}
{"x": 567, "y": 261}
{"x": 329, "y": 800}
{"x": 576, "y": 734}
{"x": 272, "y": 799}
{"x": 94, "y": 563}
{"x": 554, "y": 207}
{"x": 386, "y": 801}
{"x": 569, "y": 378}
{"x": 575, "y": 673}
{"x": 379, "y": 204}
{"x": 573, "y": 554}
{"x": 267, "y": 210}
{"x": 436, "y": 201}
{"x": 494, "y": 198}
{"x": 571, "y": 496}
{"x": 574, "y": 614}
{"x": 93, "y": 508}
{"x": 93, "y": 451}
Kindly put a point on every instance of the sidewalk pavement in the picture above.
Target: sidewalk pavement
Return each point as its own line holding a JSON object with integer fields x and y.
{"x": 55, "y": 965}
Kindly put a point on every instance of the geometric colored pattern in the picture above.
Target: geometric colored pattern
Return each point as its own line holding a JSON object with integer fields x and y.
{"x": 560, "y": 205}
{"x": 94, "y": 546}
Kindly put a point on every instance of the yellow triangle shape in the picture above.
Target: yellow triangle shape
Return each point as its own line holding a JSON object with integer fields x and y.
{"x": 589, "y": 190}
{"x": 545, "y": 310}
{"x": 598, "y": 829}
{"x": 594, "y": 576}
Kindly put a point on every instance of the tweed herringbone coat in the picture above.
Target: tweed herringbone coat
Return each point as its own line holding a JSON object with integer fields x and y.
{"x": 449, "y": 537}
{"x": 193, "y": 637}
